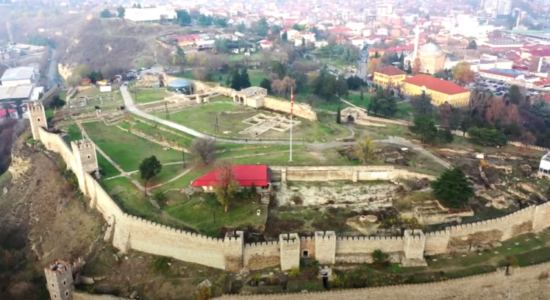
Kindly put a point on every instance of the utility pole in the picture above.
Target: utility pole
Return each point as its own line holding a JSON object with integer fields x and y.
{"x": 216, "y": 125}
{"x": 166, "y": 109}
{"x": 291, "y": 113}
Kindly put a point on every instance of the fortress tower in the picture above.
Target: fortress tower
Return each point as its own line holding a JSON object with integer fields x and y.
{"x": 59, "y": 277}
{"x": 325, "y": 247}
{"x": 415, "y": 242}
{"x": 233, "y": 250}
{"x": 290, "y": 251}
{"x": 85, "y": 154}
{"x": 37, "y": 116}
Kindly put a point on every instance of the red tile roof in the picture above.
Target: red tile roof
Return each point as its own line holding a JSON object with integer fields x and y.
{"x": 436, "y": 84}
{"x": 391, "y": 71}
{"x": 3, "y": 112}
{"x": 245, "y": 175}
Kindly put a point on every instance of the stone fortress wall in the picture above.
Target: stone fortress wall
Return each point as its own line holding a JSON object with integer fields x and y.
{"x": 129, "y": 232}
{"x": 525, "y": 283}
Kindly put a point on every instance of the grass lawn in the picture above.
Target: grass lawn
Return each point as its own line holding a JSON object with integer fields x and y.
{"x": 73, "y": 134}
{"x": 182, "y": 139}
{"x": 230, "y": 154}
{"x": 256, "y": 77}
{"x": 221, "y": 99}
{"x": 149, "y": 95}
{"x": 205, "y": 213}
{"x": 168, "y": 172}
{"x": 108, "y": 170}
{"x": 327, "y": 158}
{"x": 186, "y": 179}
{"x": 133, "y": 202}
{"x": 355, "y": 98}
{"x": 202, "y": 118}
{"x": 126, "y": 149}
{"x": 239, "y": 57}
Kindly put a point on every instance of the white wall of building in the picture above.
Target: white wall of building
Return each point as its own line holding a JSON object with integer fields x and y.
{"x": 153, "y": 14}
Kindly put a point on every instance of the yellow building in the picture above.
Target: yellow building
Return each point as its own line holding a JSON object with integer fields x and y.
{"x": 389, "y": 75}
{"x": 440, "y": 90}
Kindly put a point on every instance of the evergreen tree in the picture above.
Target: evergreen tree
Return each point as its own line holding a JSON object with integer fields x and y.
{"x": 452, "y": 188}
{"x": 425, "y": 128}
{"x": 244, "y": 79}
{"x": 236, "y": 80}
{"x": 422, "y": 104}
{"x": 266, "y": 84}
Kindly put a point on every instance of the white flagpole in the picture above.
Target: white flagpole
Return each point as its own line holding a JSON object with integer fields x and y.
{"x": 291, "y": 114}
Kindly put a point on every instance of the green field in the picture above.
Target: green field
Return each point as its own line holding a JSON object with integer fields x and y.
{"x": 196, "y": 213}
{"x": 168, "y": 172}
{"x": 108, "y": 170}
{"x": 299, "y": 158}
{"x": 204, "y": 213}
{"x": 202, "y": 118}
{"x": 126, "y": 149}
{"x": 255, "y": 76}
{"x": 149, "y": 95}
{"x": 186, "y": 179}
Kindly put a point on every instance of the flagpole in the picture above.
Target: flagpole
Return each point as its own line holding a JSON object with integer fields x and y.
{"x": 291, "y": 114}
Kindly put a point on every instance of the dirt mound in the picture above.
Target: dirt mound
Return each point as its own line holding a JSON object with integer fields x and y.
{"x": 98, "y": 43}
{"x": 42, "y": 220}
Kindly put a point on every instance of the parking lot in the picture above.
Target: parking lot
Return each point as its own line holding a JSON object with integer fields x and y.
{"x": 498, "y": 88}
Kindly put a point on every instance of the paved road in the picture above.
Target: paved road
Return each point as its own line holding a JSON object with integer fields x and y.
{"x": 131, "y": 107}
{"x": 53, "y": 76}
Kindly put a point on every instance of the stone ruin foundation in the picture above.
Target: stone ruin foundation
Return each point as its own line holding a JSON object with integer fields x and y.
{"x": 262, "y": 123}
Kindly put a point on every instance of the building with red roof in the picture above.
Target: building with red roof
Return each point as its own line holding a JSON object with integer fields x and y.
{"x": 12, "y": 113}
{"x": 440, "y": 90}
{"x": 389, "y": 75}
{"x": 245, "y": 175}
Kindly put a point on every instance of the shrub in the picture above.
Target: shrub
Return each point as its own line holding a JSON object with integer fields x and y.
{"x": 294, "y": 272}
{"x": 380, "y": 258}
{"x": 296, "y": 199}
{"x": 203, "y": 293}
{"x": 487, "y": 137}
{"x": 160, "y": 264}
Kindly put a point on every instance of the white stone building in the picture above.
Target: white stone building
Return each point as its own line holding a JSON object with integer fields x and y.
{"x": 149, "y": 15}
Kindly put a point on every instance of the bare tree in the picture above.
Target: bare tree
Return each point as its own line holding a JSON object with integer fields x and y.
{"x": 283, "y": 87}
{"x": 204, "y": 149}
{"x": 227, "y": 187}
{"x": 365, "y": 150}
{"x": 479, "y": 102}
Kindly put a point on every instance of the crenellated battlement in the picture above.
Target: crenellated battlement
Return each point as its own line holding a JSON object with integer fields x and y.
{"x": 437, "y": 233}
{"x": 58, "y": 267}
{"x": 262, "y": 244}
{"x": 84, "y": 144}
{"x": 325, "y": 235}
{"x": 289, "y": 239}
{"x": 370, "y": 238}
{"x": 35, "y": 107}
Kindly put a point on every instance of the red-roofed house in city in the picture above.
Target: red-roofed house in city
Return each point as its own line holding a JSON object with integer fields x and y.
{"x": 440, "y": 90}
{"x": 12, "y": 114}
{"x": 389, "y": 75}
{"x": 245, "y": 175}
{"x": 265, "y": 44}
